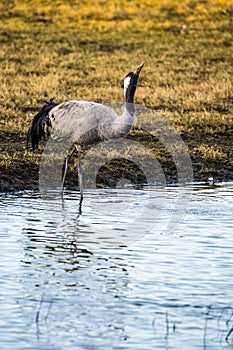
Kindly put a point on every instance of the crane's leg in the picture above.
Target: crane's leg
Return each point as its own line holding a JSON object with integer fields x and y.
{"x": 80, "y": 181}
{"x": 64, "y": 173}
{"x": 69, "y": 155}
{"x": 80, "y": 176}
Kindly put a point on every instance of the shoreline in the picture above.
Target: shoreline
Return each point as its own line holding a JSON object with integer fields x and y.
{"x": 14, "y": 182}
{"x": 208, "y": 182}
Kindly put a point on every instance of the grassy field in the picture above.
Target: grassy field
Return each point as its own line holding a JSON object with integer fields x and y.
{"x": 71, "y": 49}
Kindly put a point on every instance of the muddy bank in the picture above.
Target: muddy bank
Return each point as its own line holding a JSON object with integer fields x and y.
{"x": 23, "y": 170}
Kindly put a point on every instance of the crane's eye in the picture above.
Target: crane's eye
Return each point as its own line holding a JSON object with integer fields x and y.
{"x": 129, "y": 75}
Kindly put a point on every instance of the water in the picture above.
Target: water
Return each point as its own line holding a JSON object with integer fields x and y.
{"x": 138, "y": 269}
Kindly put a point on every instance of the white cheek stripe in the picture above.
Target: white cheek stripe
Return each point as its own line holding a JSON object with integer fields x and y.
{"x": 126, "y": 84}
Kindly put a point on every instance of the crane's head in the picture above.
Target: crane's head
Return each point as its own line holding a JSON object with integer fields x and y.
{"x": 130, "y": 83}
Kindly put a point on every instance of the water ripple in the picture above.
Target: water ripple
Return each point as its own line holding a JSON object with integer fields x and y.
{"x": 62, "y": 288}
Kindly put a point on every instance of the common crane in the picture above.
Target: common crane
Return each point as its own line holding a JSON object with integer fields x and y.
{"x": 84, "y": 122}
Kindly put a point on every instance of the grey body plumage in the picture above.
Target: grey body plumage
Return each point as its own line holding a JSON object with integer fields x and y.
{"x": 83, "y": 122}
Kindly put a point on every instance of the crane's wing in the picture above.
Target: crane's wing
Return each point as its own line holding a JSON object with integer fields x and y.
{"x": 41, "y": 125}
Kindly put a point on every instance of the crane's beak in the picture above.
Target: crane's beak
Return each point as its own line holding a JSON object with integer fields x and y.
{"x": 139, "y": 68}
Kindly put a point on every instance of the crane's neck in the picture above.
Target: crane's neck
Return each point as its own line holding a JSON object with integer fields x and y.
{"x": 128, "y": 115}
{"x": 124, "y": 123}
{"x": 120, "y": 126}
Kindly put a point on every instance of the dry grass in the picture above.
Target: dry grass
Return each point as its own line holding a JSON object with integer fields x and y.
{"x": 82, "y": 50}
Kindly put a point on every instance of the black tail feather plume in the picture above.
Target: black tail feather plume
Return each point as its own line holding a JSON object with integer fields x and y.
{"x": 40, "y": 127}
